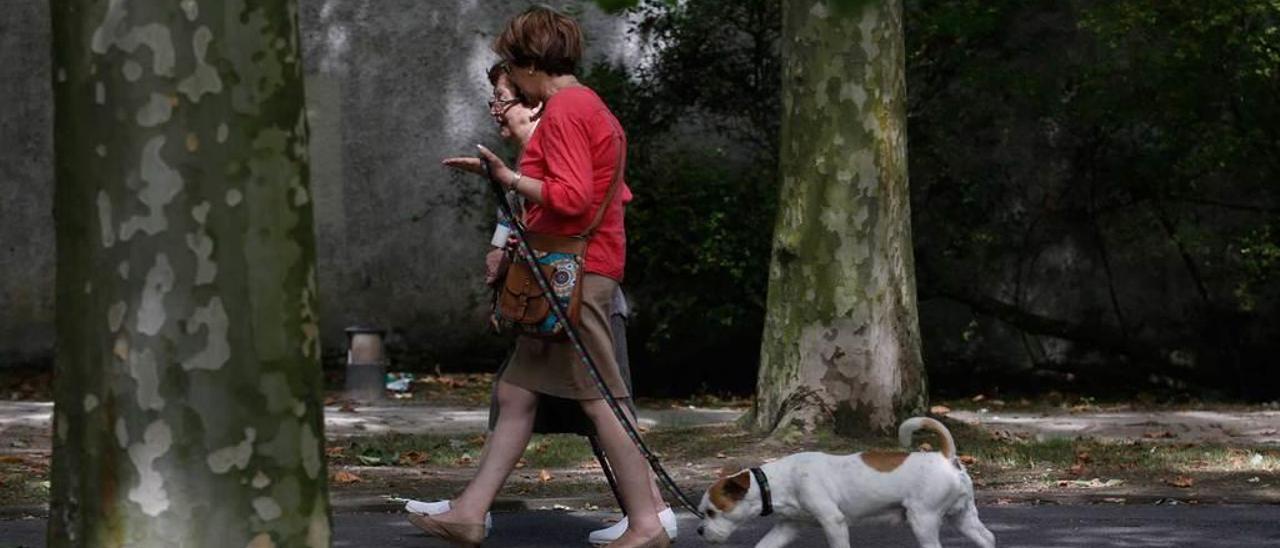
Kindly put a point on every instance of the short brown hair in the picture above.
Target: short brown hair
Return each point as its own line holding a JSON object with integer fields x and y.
{"x": 496, "y": 71}
{"x": 542, "y": 38}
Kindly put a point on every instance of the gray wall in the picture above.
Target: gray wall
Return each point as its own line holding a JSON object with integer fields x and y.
{"x": 26, "y": 183}
{"x": 393, "y": 87}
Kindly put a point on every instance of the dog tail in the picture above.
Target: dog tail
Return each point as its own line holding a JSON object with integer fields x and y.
{"x": 910, "y": 426}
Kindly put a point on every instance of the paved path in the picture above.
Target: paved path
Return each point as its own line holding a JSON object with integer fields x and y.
{"x": 1014, "y": 526}
{"x": 24, "y": 417}
{"x": 1224, "y": 427}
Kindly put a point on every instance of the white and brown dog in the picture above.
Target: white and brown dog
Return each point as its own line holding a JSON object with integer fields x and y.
{"x": 922, "y": 488}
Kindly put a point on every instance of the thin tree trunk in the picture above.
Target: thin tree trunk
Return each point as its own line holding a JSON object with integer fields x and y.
{"x": 841, "y": 341}
{"x": 188, "y": 403}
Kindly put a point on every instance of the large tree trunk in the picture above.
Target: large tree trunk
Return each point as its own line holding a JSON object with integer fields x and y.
{"x": 188, "y": 404}
{"x": 841, "y": 340}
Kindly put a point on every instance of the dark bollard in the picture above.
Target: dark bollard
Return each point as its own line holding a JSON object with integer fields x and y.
{"x": 366, "y": 364}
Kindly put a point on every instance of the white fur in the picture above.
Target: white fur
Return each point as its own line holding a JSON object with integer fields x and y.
{"x": 837, "y": 491}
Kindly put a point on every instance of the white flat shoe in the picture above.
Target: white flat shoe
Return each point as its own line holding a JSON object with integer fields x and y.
{"x": 609, "y": 534}
{"x": 434, "y": 507}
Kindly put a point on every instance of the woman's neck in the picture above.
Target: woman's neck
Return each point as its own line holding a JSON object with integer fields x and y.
{"x": 555, "y": 84}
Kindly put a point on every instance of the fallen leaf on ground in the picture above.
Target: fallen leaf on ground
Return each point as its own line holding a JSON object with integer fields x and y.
{"x": 939, "y": 410}
{"x": 334, "y": 451}
{"x": 544, "y": 476}
{"x": 465, "y": 459}
{"x": 926, "y": 447}
{"x": 721, "y": 455}
{"x": 1114, "y": 500}
{"x": 1181, "y": 481}
{"x": 1160, "y": 435}
{"x": 413, "y": 458}
{"x": 979, "y": 398}
{"x": 343, "y": 477}
{"x": 521, "y": 464}
{"x": 347, "y": 407}
{"x": 968, "y": 460}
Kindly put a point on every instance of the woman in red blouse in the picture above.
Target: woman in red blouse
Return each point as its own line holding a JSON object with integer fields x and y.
{"x": 564, "y": 177}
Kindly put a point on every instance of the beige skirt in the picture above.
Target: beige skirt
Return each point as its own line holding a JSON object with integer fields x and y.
{"x": 554, "y": 368}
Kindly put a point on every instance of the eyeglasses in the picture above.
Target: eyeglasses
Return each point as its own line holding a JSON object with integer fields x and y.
{"x": 502, "y": 104}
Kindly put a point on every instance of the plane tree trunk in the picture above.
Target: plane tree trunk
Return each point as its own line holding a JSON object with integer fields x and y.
{"x": 188, "y": 394}
{"x": 841, "y": 342}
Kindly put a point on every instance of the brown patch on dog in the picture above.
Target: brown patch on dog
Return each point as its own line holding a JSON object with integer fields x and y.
{"x": 728, "y": 492}
{"x": 884, "y": 461}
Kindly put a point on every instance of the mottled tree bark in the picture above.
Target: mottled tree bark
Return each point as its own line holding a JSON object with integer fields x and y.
{"x": 841, "y": 340}
{"x": 188, "y": 403}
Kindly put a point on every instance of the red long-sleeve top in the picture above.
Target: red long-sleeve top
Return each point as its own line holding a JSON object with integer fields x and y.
{"x": 574, "y": 152}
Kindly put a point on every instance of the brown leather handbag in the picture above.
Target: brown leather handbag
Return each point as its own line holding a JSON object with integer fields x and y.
{"x": 521, "y": 306}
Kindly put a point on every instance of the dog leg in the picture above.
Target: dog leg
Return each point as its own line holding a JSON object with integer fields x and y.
{"x": 836, "y": 527}
{"x": 968, "y": 523}
{"x": 781, "y": 535}
{"x": 925, "y": 526}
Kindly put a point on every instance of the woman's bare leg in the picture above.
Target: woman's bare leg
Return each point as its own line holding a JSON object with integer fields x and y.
{"x": 502, "y": 449}
{"x": 659, "y": 504}
{"x": 635, "y": 483}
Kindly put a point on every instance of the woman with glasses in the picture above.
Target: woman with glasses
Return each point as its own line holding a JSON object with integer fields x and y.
{"x": 564, "y": 176}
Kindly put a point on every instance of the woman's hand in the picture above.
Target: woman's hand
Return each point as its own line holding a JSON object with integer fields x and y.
{"x": 465, "y": 163}
{"x": 495, "y": 264}
{"x": 499, "y": 168}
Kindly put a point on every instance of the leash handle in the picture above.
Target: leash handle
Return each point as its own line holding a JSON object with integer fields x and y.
{"x": 583, "y": 355}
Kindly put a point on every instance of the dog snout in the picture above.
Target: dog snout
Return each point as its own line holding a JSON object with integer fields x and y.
{"x": 701, "y": 530}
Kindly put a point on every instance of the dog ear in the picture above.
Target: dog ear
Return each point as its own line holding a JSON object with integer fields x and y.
{"x": 736, "y": 487}
{"x": 728, "y": 492}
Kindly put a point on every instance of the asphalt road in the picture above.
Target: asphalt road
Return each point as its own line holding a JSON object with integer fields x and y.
{"x": 1038, "y": 526}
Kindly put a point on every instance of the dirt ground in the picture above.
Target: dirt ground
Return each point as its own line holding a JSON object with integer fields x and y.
{"x": 1016, "y": 454}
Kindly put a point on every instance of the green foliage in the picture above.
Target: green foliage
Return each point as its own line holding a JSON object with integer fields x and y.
{"x": 1137, "y": 136}
{"x": 1102, "y": 171}
{"x": 1259, "y": 256}
{"x": 615, "y": 6}
{"x": 702, "y": 124}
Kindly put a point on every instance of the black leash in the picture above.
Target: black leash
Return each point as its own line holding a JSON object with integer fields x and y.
{"x": 583, "y": 355}
{"x": 604, "y": 467}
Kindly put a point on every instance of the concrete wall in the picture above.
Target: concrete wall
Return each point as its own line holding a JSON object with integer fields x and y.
{"x": 26, "y": 183}
{"x": 393, "y": 87}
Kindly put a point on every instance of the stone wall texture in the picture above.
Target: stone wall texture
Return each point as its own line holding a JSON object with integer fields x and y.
{"x": 393, "y": 86}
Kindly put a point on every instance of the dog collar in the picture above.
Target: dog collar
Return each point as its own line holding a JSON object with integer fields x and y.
{"x": 766, "y": 497}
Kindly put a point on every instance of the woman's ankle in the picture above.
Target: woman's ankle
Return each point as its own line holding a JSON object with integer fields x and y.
{"x": 645, "y": 525}
{"x": 464, "y": 511}
{"x": 634, "y": 534}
